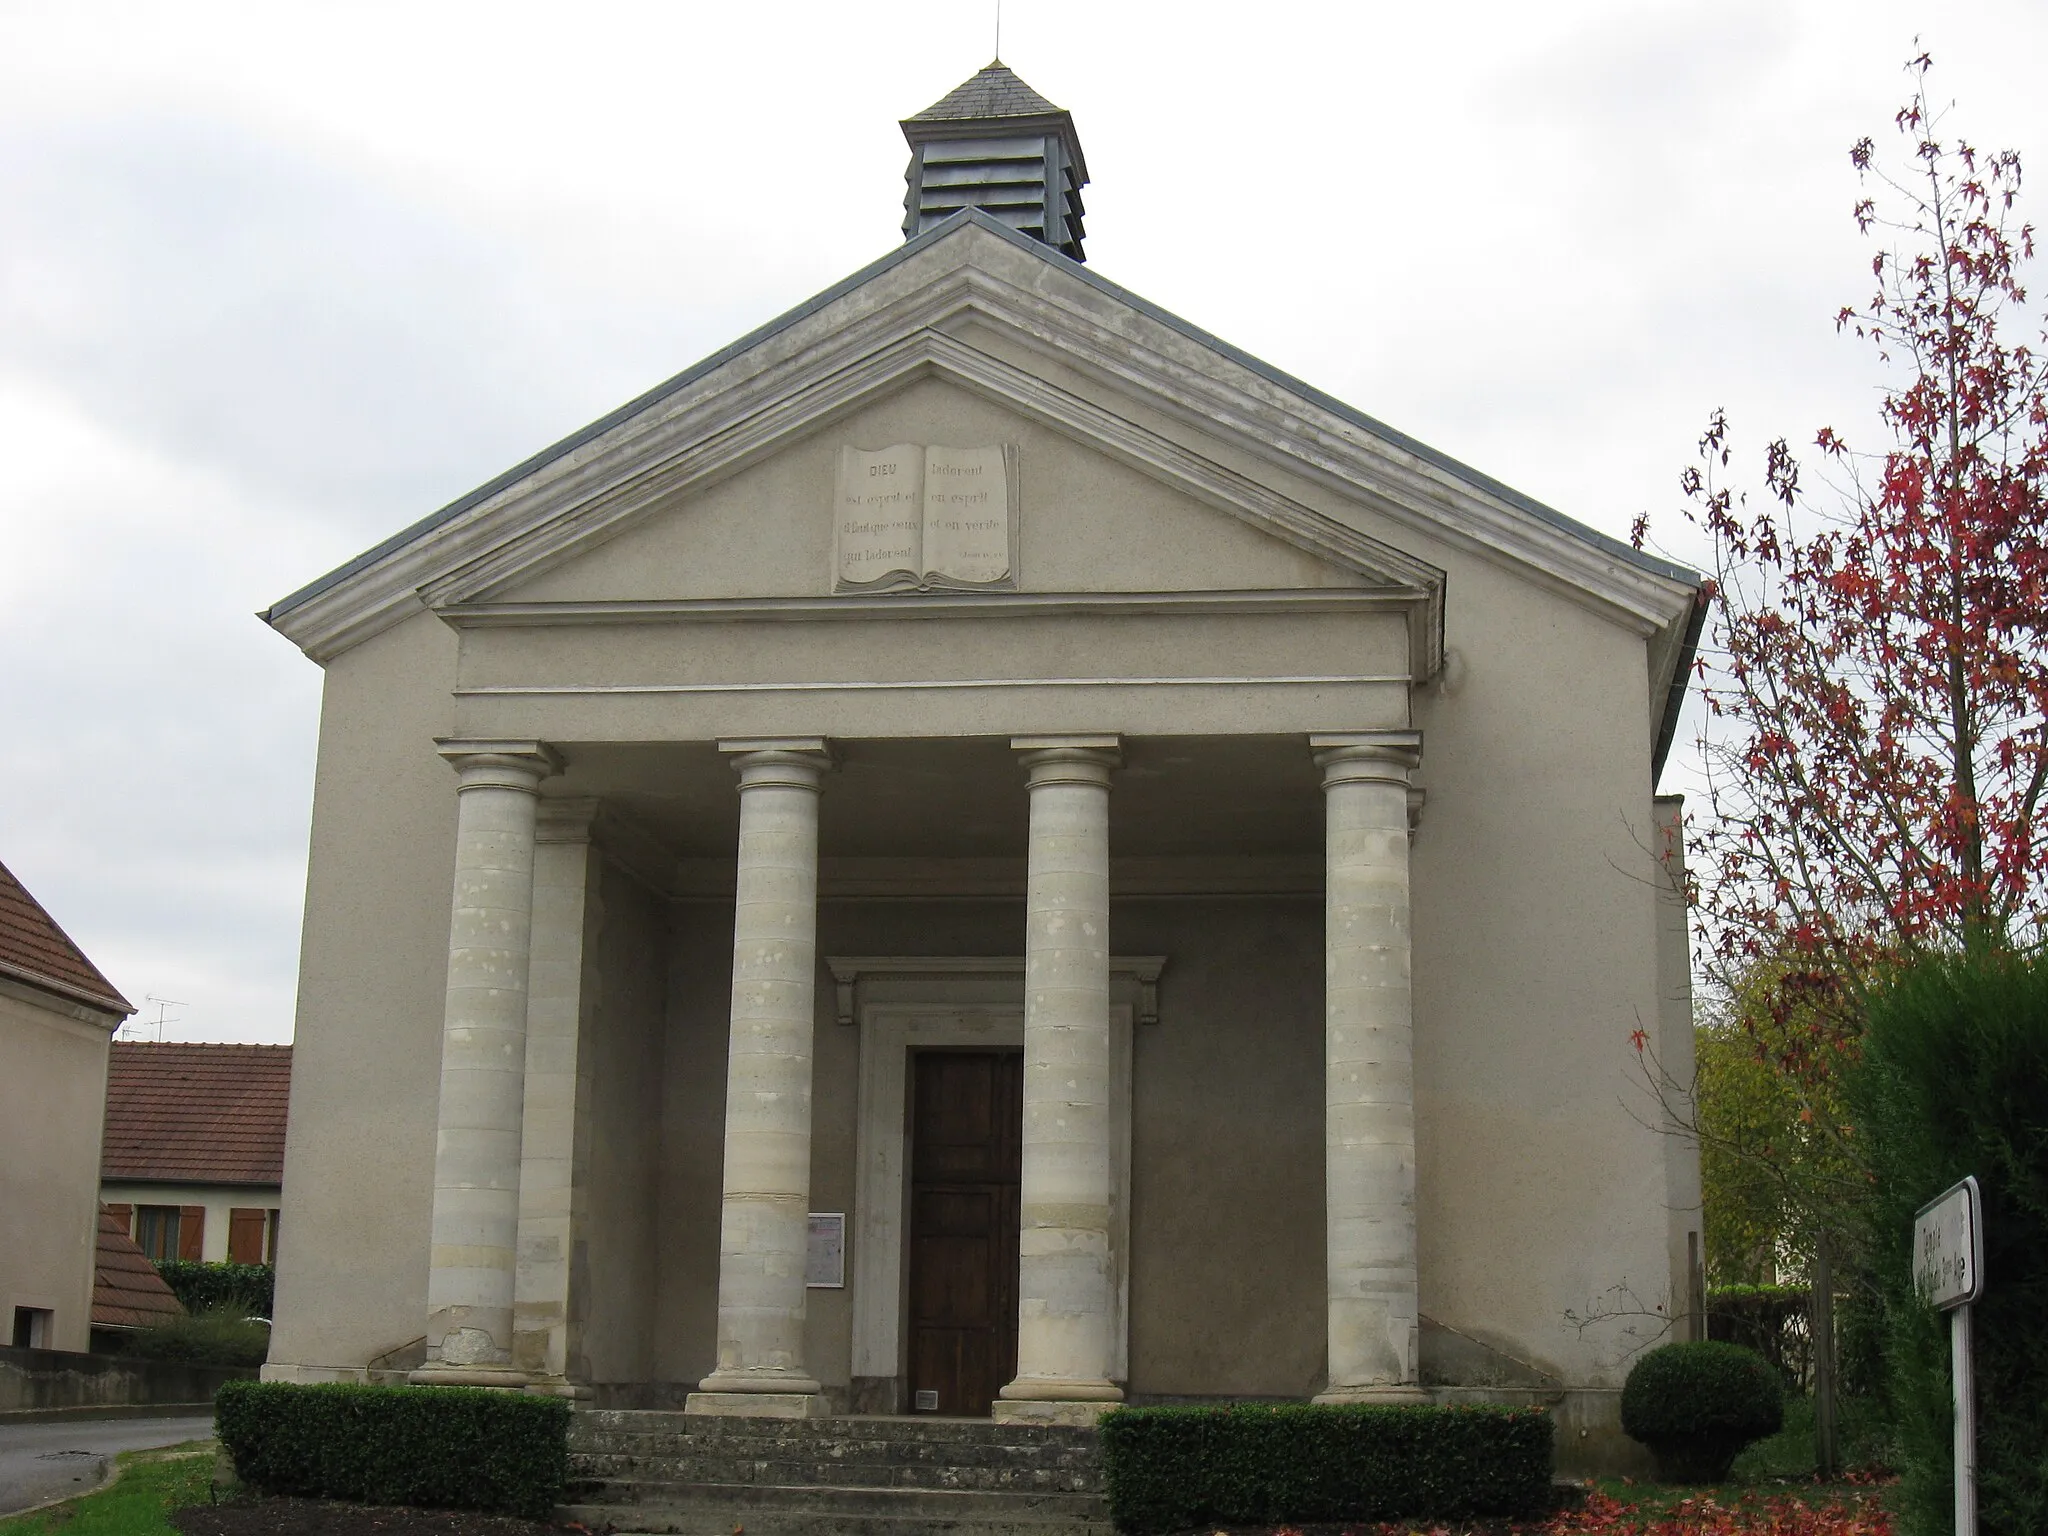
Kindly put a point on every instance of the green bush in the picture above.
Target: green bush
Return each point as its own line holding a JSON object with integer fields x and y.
{"x": 203, "y": 1338}
{"x": 1953, "y": 1080}
{"x": 1168, "y": 1469}
{"x": 440, "y": 1447}
{"x": 1697, "y": 1405}
{"x": 247, "y": 1288}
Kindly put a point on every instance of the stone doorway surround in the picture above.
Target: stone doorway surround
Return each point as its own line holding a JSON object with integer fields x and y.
{"x": 900, "y": 1003}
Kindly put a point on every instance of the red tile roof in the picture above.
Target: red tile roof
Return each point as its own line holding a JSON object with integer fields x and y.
{"x": 127, "y": 1292}
{"x": 200, "y": 1114}
{"x": 35, "y": 950}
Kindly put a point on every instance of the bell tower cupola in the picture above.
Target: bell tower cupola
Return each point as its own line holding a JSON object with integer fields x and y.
{"x": 997, "y": 145}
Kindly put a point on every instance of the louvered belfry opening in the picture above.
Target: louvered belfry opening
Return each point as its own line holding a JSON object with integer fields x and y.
{"x": 997, "y": 145}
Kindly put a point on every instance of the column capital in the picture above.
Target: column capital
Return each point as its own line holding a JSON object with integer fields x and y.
{"x": 1069, "y": 759}
{"x": 1355, "y": 757}
{"x": 498, "y": 764}
{"x": 787, "y": 762}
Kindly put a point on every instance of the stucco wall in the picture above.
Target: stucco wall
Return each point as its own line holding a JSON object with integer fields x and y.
{"x": 373, "y": 971}
{"x": 52, "y": 1105}
{"x": 1536, "y": 957}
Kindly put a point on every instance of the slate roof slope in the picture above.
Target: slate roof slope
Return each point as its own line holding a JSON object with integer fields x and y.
{"x": 33, "y": 949}
{"x": 127, "y": 1292}
{"x": 995, "y": 92}
{"x": 199, "y": 1114}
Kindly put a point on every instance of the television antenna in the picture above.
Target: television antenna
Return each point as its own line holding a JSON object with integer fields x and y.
{"x": 163, "y": 1005}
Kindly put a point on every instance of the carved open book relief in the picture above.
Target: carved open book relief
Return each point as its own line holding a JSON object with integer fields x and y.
{"x": 925, "y": 519}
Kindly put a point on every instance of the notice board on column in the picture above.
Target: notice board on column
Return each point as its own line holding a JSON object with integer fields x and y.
{"x": 825, "y": 1258}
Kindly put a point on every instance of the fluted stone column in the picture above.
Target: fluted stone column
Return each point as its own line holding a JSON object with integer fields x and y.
{"x": 1369, "y": 1077}
{"x": 1063, "y": 1277}
{"x": 475, "y": 1233}
{"x": 764, "y": 1225}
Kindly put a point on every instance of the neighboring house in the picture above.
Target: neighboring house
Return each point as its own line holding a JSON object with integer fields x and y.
{"x": 983, "y": 851}
{"x": 127, "y": 1292}
{"x": 194, "y": 1156}
{"x": 57, "y": 1013}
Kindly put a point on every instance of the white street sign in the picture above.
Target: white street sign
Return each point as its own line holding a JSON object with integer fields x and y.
{"x": 1948, "y": 1269}
{"x": 1948, "y": 1247}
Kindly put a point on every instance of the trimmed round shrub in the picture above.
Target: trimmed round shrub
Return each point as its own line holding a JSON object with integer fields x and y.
{"x": 1697, "y": 1405}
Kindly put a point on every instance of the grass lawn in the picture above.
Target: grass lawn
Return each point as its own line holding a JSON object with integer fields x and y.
{"x": 149, "y": 1485}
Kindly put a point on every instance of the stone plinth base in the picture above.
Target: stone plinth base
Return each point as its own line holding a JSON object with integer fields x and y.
{"x": 1393, "y": 1392}
{"x": 1040, "y": 1411}
{"x": 757, "y": 1405}
{"x": 467, "y": 1376}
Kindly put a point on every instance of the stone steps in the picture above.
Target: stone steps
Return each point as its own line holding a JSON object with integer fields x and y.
{"x": 702, "y": 1476}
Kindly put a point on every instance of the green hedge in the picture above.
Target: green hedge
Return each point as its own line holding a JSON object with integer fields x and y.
{"x": 243, "y": 1288}
{"x": 441, "y": 1447}
{"x": 1170, "y": 1469}
{"x": 1770, "y": 1319}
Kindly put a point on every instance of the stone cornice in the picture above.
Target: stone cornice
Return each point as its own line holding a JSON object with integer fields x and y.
{"x": 853, "y": 607}
{"x": 884, "y": 332}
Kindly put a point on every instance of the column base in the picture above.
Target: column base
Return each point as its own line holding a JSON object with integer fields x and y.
{"x": 1046, "y": 1411}
{"x": 757, "y": 1405}
{"x": 468, "y": 1376}
{"x": 1395, "y": 1393}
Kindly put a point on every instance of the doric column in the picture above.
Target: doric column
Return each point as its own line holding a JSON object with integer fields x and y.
{"x": 475, "y": 1233}
{"x": 1369, "y": 1075}
{"x": 1063, "y": 1275}
{"x": 764, "y": 1226}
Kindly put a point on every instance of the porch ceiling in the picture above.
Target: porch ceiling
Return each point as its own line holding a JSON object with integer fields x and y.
{"x": 1184, "y": 796}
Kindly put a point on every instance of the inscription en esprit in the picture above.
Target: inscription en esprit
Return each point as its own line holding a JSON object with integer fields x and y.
{"x": 925, "y": 519}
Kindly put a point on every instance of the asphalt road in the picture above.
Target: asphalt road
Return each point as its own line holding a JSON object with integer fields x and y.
{"x": 39, "y": 1462}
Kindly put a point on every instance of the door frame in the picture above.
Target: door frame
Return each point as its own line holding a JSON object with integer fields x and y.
{"x": 960, "y": 1004}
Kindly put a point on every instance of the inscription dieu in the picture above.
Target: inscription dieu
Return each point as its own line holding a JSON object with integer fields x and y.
{"x": 910, "y": 516}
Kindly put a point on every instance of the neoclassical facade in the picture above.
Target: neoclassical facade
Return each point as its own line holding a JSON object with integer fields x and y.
{"x": 982, "y": 851}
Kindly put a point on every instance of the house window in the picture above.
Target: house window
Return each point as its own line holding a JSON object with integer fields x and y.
{"x": 156, "y": 1231}
{"x": 32, "y": 1327}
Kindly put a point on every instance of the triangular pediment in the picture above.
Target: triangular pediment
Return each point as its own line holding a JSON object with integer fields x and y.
{"x": 982, "y": 315}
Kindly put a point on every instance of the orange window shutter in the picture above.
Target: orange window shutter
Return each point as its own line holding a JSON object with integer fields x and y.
{"x": 191, "y": 1231}
{"x": 245, "y": 1235}
{"x": 125, "y": 1214}
{"x": 270, "y": 1251}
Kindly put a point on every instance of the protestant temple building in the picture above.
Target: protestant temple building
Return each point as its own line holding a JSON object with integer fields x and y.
{"x": 984, "y": 852}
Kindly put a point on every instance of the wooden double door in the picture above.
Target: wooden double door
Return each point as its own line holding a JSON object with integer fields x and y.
{"x": 966, "y": 1144}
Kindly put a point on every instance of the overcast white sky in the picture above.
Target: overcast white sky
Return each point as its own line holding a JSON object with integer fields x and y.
{"x": 277, "y": 279}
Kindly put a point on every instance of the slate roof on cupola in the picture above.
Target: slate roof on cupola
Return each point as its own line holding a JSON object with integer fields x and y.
{"x": 995, "y": 92}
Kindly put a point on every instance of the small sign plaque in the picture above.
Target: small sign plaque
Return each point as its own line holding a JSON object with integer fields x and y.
{"x": 825, "y": 1262}
{"x": 1948, "y": 1247}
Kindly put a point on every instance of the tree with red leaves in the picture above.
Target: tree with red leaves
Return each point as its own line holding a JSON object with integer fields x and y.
{"x": 1876, "y": 679}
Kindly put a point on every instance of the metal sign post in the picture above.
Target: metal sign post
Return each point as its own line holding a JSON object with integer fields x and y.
{"x": 1948, "y": 1270}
